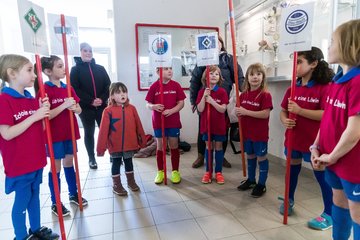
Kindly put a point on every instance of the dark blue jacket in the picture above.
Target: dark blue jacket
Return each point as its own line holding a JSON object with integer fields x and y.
{"x": 82, "y": 82}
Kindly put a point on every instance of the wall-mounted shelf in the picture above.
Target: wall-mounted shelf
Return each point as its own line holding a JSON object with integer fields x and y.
{"x": 279, "y": 79}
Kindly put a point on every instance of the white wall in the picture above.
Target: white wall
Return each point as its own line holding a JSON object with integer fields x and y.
{"x": 127, "y": 13}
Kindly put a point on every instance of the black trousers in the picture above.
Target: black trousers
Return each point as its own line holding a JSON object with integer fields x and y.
{"x": 201, "y": 144}
{"x": 88, "y": 118}
{"x": 116, "y": 163}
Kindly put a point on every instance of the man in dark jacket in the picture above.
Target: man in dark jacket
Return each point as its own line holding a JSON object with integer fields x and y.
{"x": 227, "y": 70}
{"x": 91, "y": 83}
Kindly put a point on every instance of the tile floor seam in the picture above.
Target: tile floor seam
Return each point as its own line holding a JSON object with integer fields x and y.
{"x": 77, "y": 208}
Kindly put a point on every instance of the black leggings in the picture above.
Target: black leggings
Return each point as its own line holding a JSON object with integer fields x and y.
{"x": 116, "y": 163}
{"x": 88, "y": 118}
{"x": 201, "y": 144}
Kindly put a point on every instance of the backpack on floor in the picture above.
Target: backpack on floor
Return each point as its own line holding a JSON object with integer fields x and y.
{"x": 184, "y": 146}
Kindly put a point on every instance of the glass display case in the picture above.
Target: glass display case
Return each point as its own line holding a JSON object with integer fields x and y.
{"x": 257, "y": 32}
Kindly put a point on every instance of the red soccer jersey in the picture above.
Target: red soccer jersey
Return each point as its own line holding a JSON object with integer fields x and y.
{"x": 312, "y": 96}
{"x": 26, "y": 152}
{"x": 255, "y": 129}
{"x": 217, "y": 119}
{"x": 173, "y": 93}
{"x": 342, "y": 102}
{"x": 60, "y": 125}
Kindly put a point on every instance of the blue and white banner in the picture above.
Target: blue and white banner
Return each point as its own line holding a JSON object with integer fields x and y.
{"x": 295, "y": 28}
{"x": 55, "y": 32}
{"x": 207, "y": 49}
{"x": 160, "y": 50}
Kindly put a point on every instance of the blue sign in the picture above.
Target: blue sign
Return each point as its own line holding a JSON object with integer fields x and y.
{"x": 160, "y": 46}
{"x": 296, "y": 21}
{"x": 206, "y": 42}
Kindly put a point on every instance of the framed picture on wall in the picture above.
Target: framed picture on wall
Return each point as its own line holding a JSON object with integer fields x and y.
{"x": 183, "y": 52}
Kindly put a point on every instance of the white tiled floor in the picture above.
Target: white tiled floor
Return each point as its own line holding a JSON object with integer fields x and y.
{"x": 189, "y": 210}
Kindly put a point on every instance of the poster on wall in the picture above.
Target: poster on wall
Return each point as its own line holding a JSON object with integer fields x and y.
{"x": 295, "y": 28}
{"x": 160, "y": 50}
{"x": 207, "y": 49}
{"x": 33, "y": 27}
{"x": 55, "y": 32}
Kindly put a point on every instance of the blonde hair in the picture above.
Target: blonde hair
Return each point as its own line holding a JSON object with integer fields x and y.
{"x": 255, "y": 67}
{"x": 349, "y": 42}
{"x": 12, "y": 61}
{"x": 213, "y": 68}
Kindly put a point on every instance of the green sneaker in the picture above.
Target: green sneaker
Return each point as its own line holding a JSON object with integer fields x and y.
{"x": 175, "y": 177}
{"x": 323, "y": 222}
{"x": 159, "y": 177}
{"x": 290, "y": 206}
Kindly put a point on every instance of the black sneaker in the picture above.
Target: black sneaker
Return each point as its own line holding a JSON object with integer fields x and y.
{"x": 75, "y": 200}
{"x": 93, "y": 164}
{"x": 258, "y": 191}
{"x": 44, "y": 233}
{"x": 245, "y": 185}
{"x": 65, "y": 211}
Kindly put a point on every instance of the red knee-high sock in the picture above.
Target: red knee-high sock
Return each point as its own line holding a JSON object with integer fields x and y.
{"x": 159, "y": 160}
{"x": 175, "y": 159}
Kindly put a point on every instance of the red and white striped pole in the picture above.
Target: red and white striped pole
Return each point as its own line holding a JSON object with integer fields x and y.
{"x": 236, "y": 77}
{"x": 51, "y": 150}
{"x": 289, "y": 138}
{"x": 71, "y": 115}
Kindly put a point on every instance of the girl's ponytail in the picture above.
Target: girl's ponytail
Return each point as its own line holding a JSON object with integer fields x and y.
{"x": 323, "y": 74}
{"x": 36, "y": 83}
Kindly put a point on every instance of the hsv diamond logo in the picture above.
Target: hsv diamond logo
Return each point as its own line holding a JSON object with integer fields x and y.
{"x": 207, "y": 42}
{"x": 33, "y": 20}
{"x": 296, "y": 21}
{"x": 159, "y": 46}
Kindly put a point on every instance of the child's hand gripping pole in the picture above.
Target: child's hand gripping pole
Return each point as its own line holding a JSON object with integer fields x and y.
{"x": 71, "y": 115}
{"x": 51, "y": 150}
{"x": 236, "y": 77}
{"x": 289, "y": 145}
{"x": 163, "y": 138}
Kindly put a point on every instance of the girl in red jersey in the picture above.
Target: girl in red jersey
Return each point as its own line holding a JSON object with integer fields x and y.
{"x": 121, "y": 132}
{"x": 173, "y": 102}
{"x": 217, "y": 98}
{"x": 22, "y": 145}
{"x": 60, "y": 103}
{"x": 255, "y": 107}
{"x": 313, "y": 75}
{"x": 337, "y": 145}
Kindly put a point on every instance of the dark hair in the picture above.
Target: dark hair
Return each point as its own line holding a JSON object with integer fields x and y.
{"x": 322, "y": 74}
{"x": 117, "y": 87}
{"x": 223, "y": 49}
{"x": 212, "y": 68}
{"x": 46, "y": 63}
